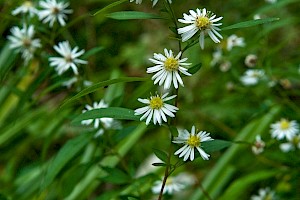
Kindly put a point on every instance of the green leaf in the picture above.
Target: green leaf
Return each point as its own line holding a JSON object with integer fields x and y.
{"x": 110, "y": 112}
{"x": 109, "y": 6}
{"x": 65, "y": 154}
{"x": 215, "y": 145}
{"x": 126, "y": 15}
{"x": 195, "y": 68}
{"x": 92, "y": 52}
{"x": 96, "y": 86}
{"x": 7, "y": 57}
{"x": 250, "y": 23}
{"x": 115, "y": 176}
{"x": 159, "y": 164}
{"x": 161, "y": 155}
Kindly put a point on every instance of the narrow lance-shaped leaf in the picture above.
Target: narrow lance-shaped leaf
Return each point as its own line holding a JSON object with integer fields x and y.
{"x": 161, "y": 155}
{"x": 250, "y": 23}
{"x": 195, "y": 68}
{"x": 109, "y": 6}
{"x": 215, "y": 145}
{"x": 126, "y": 15}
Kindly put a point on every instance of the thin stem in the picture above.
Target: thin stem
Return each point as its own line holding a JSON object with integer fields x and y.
{"x": 205, "y": 192}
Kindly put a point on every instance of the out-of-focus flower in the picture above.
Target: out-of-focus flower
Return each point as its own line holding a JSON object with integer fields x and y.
{"x": 174, "y": 184}
{"x": 203, "y": 21}
{"x": 191, "y": 140}
{"x": 217, "y": 57}
{"x": 69, "y": 58}
{"x": 250, "y": 60}
{"x": 258, "y": 146}
{"x": 234, "y": 41}
{"x": 157, "y": 109}
{"x": 225, "y": 66}
{"x": 22, "y": 41}
{"x": 53, "y": 11}
{"x": 26, "y": 7}
{"x": 284, "y": 129}
{"x": 69, "y": 82}
{"x": 252, "y": 76}
{"x": 271, "y": 1}
{"x": 137, "y": 1}
{"x": 291, "y": 145}
{"x": 167, "y": 69}
{"x": 264, "y": 194}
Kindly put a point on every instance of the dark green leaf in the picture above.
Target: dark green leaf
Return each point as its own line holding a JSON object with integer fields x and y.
{"x": 159, "y": 164}
{"x": 161, "y": 155}
{"x": 195, "y": 68}
{"x": 215, "y": 145}
{"x": 126, "y": 15}
{"x": 109, "y": 6}
{"x": 115, "y": 176}
{"x": 92, "y": 52}
{"x": 250, "y": 23}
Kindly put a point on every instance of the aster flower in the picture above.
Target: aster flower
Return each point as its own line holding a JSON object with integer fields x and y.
{"x": 22, "y": 41}
{"x": 53, "y": 11}
{"x": 217, "y": 57}
{"x": 69, "y": 58}
{"x": 105, "y": 122}
{"x": 156, "y": 109}
{"x": 192, "y": 140}
{"x": 203, "y": 21}
{"x": 284, "y": 129}
{"x": 26, "y": 7}
{"x": 174, "y": 183}
{"x": 252, "y": 76}
{"x": 263, "y": 194}
{"x": 258, "y": 146}
{"x": 69, "y": 82}
{"x": 251, "y": 60}
{"x": 167, "y": 69}
{"x": 291, "y": 145}
{"x": 234, "y": 41}
{"x": 137, "y": 1}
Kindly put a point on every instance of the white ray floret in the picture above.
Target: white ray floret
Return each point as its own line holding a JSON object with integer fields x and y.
{"x": 26, "y": 7}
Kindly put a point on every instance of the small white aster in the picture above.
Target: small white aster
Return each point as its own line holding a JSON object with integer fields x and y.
{"x": 22, "y": 41}
{"x": 252, "y": 76}
{"x": 291, "y": 145}
{"x": 167, "y": 69}
{"x": 157, "y": 109}
{"x": 53, "y": 11}
{"x": 258, "y": 146}
{"x": 105, "y": 122}
{"x": 69, "y": 82}
{"x": 203, "y": 21}
{"x": 217, "y": 57}
{"x": 251, "y": 60}
{"x": 234, "y": 41}
{"x": 192, "y": 140}
{"x": 263, "y": 194}
{"x": 69, "y": 58}
{"x": 26, "y": 7}
{"x": 284, "y": 129}
{"x": 137, "y": 1}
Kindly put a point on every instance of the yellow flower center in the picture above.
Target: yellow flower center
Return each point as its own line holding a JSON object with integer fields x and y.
{"x": 156, "y": 103}
{"x": 27, "y": 4}
{"x": 194, "y": 141}
{"x": 202, "y": 22}
{"x": 26, "y": 42}
{"x": 171, "y": 64}
{"x": 284, "y": 124}
{"x": 68, "y": 59}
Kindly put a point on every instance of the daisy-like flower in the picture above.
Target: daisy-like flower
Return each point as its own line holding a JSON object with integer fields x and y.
{"x": 234, "y": 41}
{"x": 291, "y": 145}
{"x": 174, "y": 184}
{"x": 53, "y": 11}
{"x": 251, "y": 60}
{"x": 156, "y": 109}
{"x": 252, "y": 76}
{"x": 264, "y": 194}
{"x": 192, "y": 140}
{"x": 69, "y": 82}
{"x": 217, "y": 57}
{"x": 22, "y": 40}
{"x": 284, "y": 129}
{"x": 167, "y": 69}
{"x": 203, "y": 21}
{"x": 137, "y": 1}
{"x": 26, "y": 7}
{"x": 69, "y": 58}
{"x": 105, "y": 122}
{"x": 258, "y": 146}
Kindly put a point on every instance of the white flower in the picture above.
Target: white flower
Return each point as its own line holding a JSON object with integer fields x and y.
{"x": 264, "y": 194}
{"x": 137, "y": 1}
{"x": 174, "y": 183}
{"x": 155, "y": 2}
{"x": 217, "y": 57}
{"x": 22, "y": 40}
{"x": 284, "y": 129}
{"x": 291, "y": 145}
{"x": 53, "y": 11}
{"x": 252, "y": 76}
{"x": 69, "y": 82}
{"x": 251, "y": 60}
{"x": 271, "y": 1}
{"x": 105, "y": 122}
{"x": 203, "y": 21}
{"x": 234, "y": 41}
{"x": 157, "y": 109}
{"x": 167, "y": 69}
{"x": 26, "y": 7}
{"x": 258, "y": 146}
{"x": 225, "y": 66}
{"x": 69, "y": 58}
{"x": 192, "y": 140}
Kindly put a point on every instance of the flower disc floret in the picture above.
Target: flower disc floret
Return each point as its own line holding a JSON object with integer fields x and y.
{"x": 167, "y": 69}
{"x": 157, "y": 109}
{"x": 202, "y": 22}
